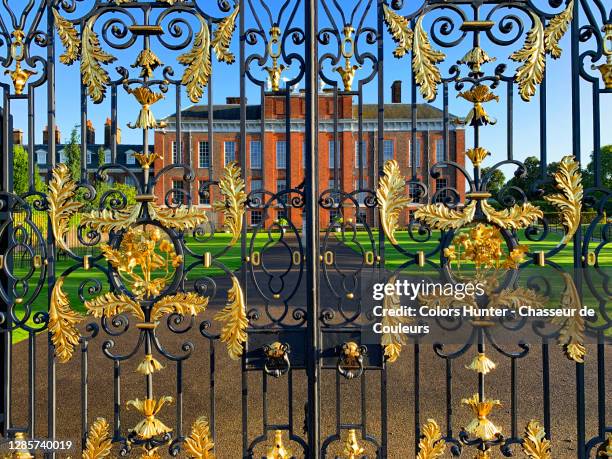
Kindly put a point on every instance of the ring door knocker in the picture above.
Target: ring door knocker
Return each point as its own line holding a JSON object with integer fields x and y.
{"x": 350, "y": 363}
{"x": 277, "y": 359}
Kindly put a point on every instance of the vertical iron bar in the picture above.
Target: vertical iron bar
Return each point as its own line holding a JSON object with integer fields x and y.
{"x": 31, "y": 133}
{"x": 546, "y": 386}
{"x": 417, "y": 394}
{"x": 179, "y": 399}
{"x": 84, "y": 391}
{"x": 312, "y": 227}
{"x": 32, "y": 383}
{"x": 510, "y": 119}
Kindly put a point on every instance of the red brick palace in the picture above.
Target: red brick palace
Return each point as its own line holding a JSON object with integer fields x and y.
{"x": 266, "y": 166}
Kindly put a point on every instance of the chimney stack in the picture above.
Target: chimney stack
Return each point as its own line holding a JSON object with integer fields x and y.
{"x": 232, "y": 100}
{"x": 396, "y": 92}
{"x": 91, "y": 133}
{"x": 108, "y": 132}
{"x": 17, "y": 137}
{"x": 46, "y": 136}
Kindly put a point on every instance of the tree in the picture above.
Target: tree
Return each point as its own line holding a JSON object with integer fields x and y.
{"x": 605, "y": 168}
{"x": 533, "y": 174}
{"x": 497, "y": 180}
{"x": 21, "y": 173}
{"x": 72, "y": 150}
{"x": 121, "y": 189}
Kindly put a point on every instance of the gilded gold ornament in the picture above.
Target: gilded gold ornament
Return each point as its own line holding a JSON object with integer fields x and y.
{"x": 199, "y": 445}
{"x": 516, "y": 217}
{"x": 69, "y": 37}
{"x": 533, "y": 58}
{"x": 180, "y": 218}
{"x": 347, "y": 72}
{"x": 399, "y": 28}
{"x": 392, "y": 198}
{"x": 606, "y": 68}
{"x": 278, "y": 450}
{"x": 481, "y": 427}
{"x": 62, "y": 323}
{"x": 146, "y": 160}
{"x": 424, "y": 60}
{"x": 352, "y": 449}
{"x": 568, "y": 180}
{"x": 235, "y": 318}
{"x": 92, "y": 57}
{"x": 392, "y": 342}
{"x": 111, "y": 304}
{"x": 439, "y": 216}
{"x": 180, "y": 303}
{"x": 222, "y": 37}
{"x": 535, "y": 443}
{"x": 481, "y": 364}
{"x": 556, "y": 28}
{"x": 62, "y": 203}
{"x": 232, "y": 188}
{"x": 431, "y": 444}
{"x": 148, "y": 61}
{"x": 145, "y": 97}
{"x": 107, "y": 220}
{"x": 571, "y": 334}
{"x": 99, "y": 441}
{"x": 275, "y": 71}
{"x": 149, "y": 365}
{"x": 477, "y": 155}
{"x": 479, "y": 95}
{"x": 150, "y": 426}
{"x": 605, "y": 450}
{"x": 20, "y": 453}
{"x": 198, "y": 63}
{"x": 475, "y": 58}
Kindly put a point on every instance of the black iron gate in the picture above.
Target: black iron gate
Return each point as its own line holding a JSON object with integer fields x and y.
{"x": 219, "y": 279}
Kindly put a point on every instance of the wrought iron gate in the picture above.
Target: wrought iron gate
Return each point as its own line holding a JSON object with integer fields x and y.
{"x": 150, "y": 322}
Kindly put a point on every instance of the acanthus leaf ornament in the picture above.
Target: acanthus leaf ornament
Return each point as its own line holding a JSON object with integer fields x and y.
{"x": 424, "y": 60}
{"x": 99, "y": 442}
{"x": 235, "y": 318}
{"x": 148, "y": 61}
{"x": 431, "y": 444}
{"x": 199, "y": 445}
{"x": 198, "y": 63}
{"x": 111, "y": 304}
{"x": 150, "y": 426}
{"x": 391, "y": 198}
{"x": 478, "y": 95}
{"x": 516, "y": 217}
{"x": 442, "y": 217}
{"x": 571, "y": 334}
{"x": 180, "y": 218}
{"x": 392, "y": 341}
{"x": 557, "y": 27}
{"x": 399, "y": 28}
{"x": 107, "y": 220}
{"x": 62, "y": 323}
{"x": 179, "y": 303}
{"x": 535, "y": 443}
{"x": 568, "y": 180}
{"x": 145, "y": 97}
{"x": 477, "y": 155}
{"x": 94, "y": 76}
{"x": 222, "y": 37}
{"x": 232, "y": 188}
{"x": 533, "y": 58}
{"x": 69, "y": 37}
{"x": 62, "y": 205}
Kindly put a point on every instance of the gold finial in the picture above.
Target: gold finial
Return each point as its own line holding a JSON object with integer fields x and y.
{"x": 477, "y": 155}
{"x": 19, "y": 76}
{"x": 275, "y": 51}
{"x": 278, "y": 451}
{"x": 146, "y": 97}
{"x": 478, "y": 95}
{"x": 606, "y": 69}
{"x": 352, "y": 450}
{"x": 347, "y": 72}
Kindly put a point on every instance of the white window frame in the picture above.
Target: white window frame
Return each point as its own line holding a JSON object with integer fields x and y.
{"x": 203, "y": 152}
{"x": 255, "y": 146}
{"x": 440, "y": 153}
{"x": 227, "y": 144}
{"x": 281, "y": 154}
{"x": 386, "y": 143}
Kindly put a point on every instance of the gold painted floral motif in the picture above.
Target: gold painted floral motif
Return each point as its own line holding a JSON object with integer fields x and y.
{"x": 139, "y": 257}
{"x": 197, "y": 61}
{"x": 479, "y": 95}
{"x": 62, "y": 323}
{"x": 199, "y": 445}
{"x": 235, "y": 318}
{"x": 107, "y": 220}
{"x": 149, "y": 365}
{"x": 276, "y": 70}
{"x": 347, "y": 72}
{"x": 148, "y": 61}
{"x": 424, "y": 62}
{"x": 477, "y": 155}
{"x": 111, "y": 304}
{"x": 146, "y": 160}
{"x": 568, "y": 180}
{"x": 99, "y": 442}
{"x": 481, "y": 364}
{"x": 222, "y": 37}
{"x": 399, "y": 28}
{"x": 232, "y": 188}
{"x": 392, "y": 342}
{"x": 516, "y": 217}
{"x": 278, "y": 450}
{"x": 481, "y": 427}
{"x": 93, "y": 75}
{"x": 62, "y": 205}
{"x": 392, "y": 199}
{"x": 150, "y": 426}
{"x": 571, "y": 335}
{"x": 179, "y": 218}
{"x": 535, "y": 443}
{"x": 431, "y": 444}
{"x": 444, "y": 218}
{"x": 19, "y": 75}
{"x": 475, "y": 58}
{"x": 606, "y": 68}
{"x": 69, "y": 37}
{"x": 352, "y": 449}
{"x": 145, "y": 97}
{"x": 556, "y": 29}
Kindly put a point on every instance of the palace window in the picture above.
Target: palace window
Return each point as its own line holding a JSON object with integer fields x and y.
{"x": 204, "y": 154}
{"x": 229, "y": 149}
{"x": 388, "y": 153}
{"x": 256, "y": 217}
{"x": 255, "y": 154}
{"x": 281, "y": 154}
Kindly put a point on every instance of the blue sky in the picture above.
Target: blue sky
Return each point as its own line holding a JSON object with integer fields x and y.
{"x": 226, "y": 83}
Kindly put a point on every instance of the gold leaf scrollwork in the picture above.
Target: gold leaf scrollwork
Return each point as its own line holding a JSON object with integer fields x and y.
{"x": 180, "y": 303}
{"x": 111, "y": 304}
{"x": 431, "y": 445}
{"x": 62, "y": 205}
{"x": 199, "y": 445}
{"x": 557, "y": 27}
{"x": 516, "y": 217}
{"x": 232, "y": 188}
{"x": 392, "y": 341}
{"x": 571, "y": 334}
{"x": 69, "y": 37}
{"x": 441, "y": 217}
{"x": 62, "y": 323}
{"x": 99, "y": 442}
{"x": 391, "y": 198}
{"x": 399, "y": 28}
{"x": 222, "y": 37}
{"x": 197, "y": 61}
{"x": 424, "y": 60}
{"x": 92, "y": 57}
{"x": 107, "y": 220}
{"x": 235, "y": 318}
{"x": 568, "y": 180}
{"x": 533, "y": 57}
{"x": 535, "y": 443}
{"x": 181, "y": 218}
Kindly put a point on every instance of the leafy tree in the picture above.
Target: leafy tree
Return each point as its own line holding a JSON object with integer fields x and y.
{"x": 497, "y": 180}
{"x": 21, "y": 175}
{"x": 121, "y": 188}
{"x": 72, "y": 150}
{"x": 527, "y": 183}
{"x": 605, "y": 168}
